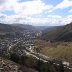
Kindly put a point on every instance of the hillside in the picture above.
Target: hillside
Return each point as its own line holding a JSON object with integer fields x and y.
{"x": 25, "y": 26}
{"x": 10, "y": 66}
{"x": 60, "y": 33}
{"x": 8, "y": 28}
{"x": 59, "y": 50}
{"x": 5, "y": 28}
{"x": 30, "y": 27}
{"x": 41, "y": 27}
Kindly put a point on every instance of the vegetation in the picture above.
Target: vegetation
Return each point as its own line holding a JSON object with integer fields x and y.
{"x": 39, "y": 65}
{"x": 61, "y": 33}
{"x": 10, "y": 66}
{"x": 54, "y": 46}
{"x": 60, "y": 50}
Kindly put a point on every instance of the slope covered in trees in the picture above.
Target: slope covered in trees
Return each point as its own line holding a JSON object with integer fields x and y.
{"x": 60, "y": 33}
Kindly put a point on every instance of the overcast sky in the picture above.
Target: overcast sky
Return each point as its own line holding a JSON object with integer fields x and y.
{"x": 36, "y": 12}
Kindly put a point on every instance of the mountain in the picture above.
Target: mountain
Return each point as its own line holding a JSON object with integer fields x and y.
{"x": 41, "y": 27}
{"x": 25, "y": 26}
{"x": 10, "y": 28}
{"x": 58, "y": 33}
{"x": 30, "y": 27}
{"x": 19, "y": 27}
{"x": 5, "y": 28}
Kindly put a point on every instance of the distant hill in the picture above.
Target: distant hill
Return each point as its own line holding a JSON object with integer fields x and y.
{"x": 58, "y": 33}
{"x": 25, "y": 26}
{"x": 10, "y": 28}
{"x": 5, "y": 28}
{"x": 30, "y": 27}
{"x": 19, "y": 27}
{"x": 41, "y": 27}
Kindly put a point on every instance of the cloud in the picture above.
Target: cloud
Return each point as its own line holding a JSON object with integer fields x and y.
{"x": 25, "y": 12}
{"x": 50, "y": 20}
{"x": 64, "y": 4}
{"x": 2, "y": 1}
{"x": 2, "y": 17}
{"x": 31, "y": 7}
{"x": 69, "y": 19}
{"x": 26, "y": 8}
{"x": 70, "y": 11}
{"x": 7, "y": 5}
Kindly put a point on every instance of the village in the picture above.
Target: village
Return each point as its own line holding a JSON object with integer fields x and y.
{"x": 25, "y": 45}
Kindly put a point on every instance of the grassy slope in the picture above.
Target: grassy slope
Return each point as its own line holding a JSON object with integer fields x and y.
{"x": 61, "y": 50}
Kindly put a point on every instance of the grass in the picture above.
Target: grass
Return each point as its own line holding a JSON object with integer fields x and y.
{"x": 61, "y": 50}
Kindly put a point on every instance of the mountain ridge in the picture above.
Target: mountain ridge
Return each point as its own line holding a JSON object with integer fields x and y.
{"x": 60, "y": 33}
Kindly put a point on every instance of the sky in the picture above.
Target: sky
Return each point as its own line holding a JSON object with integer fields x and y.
{"x": 36, "y": 12}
